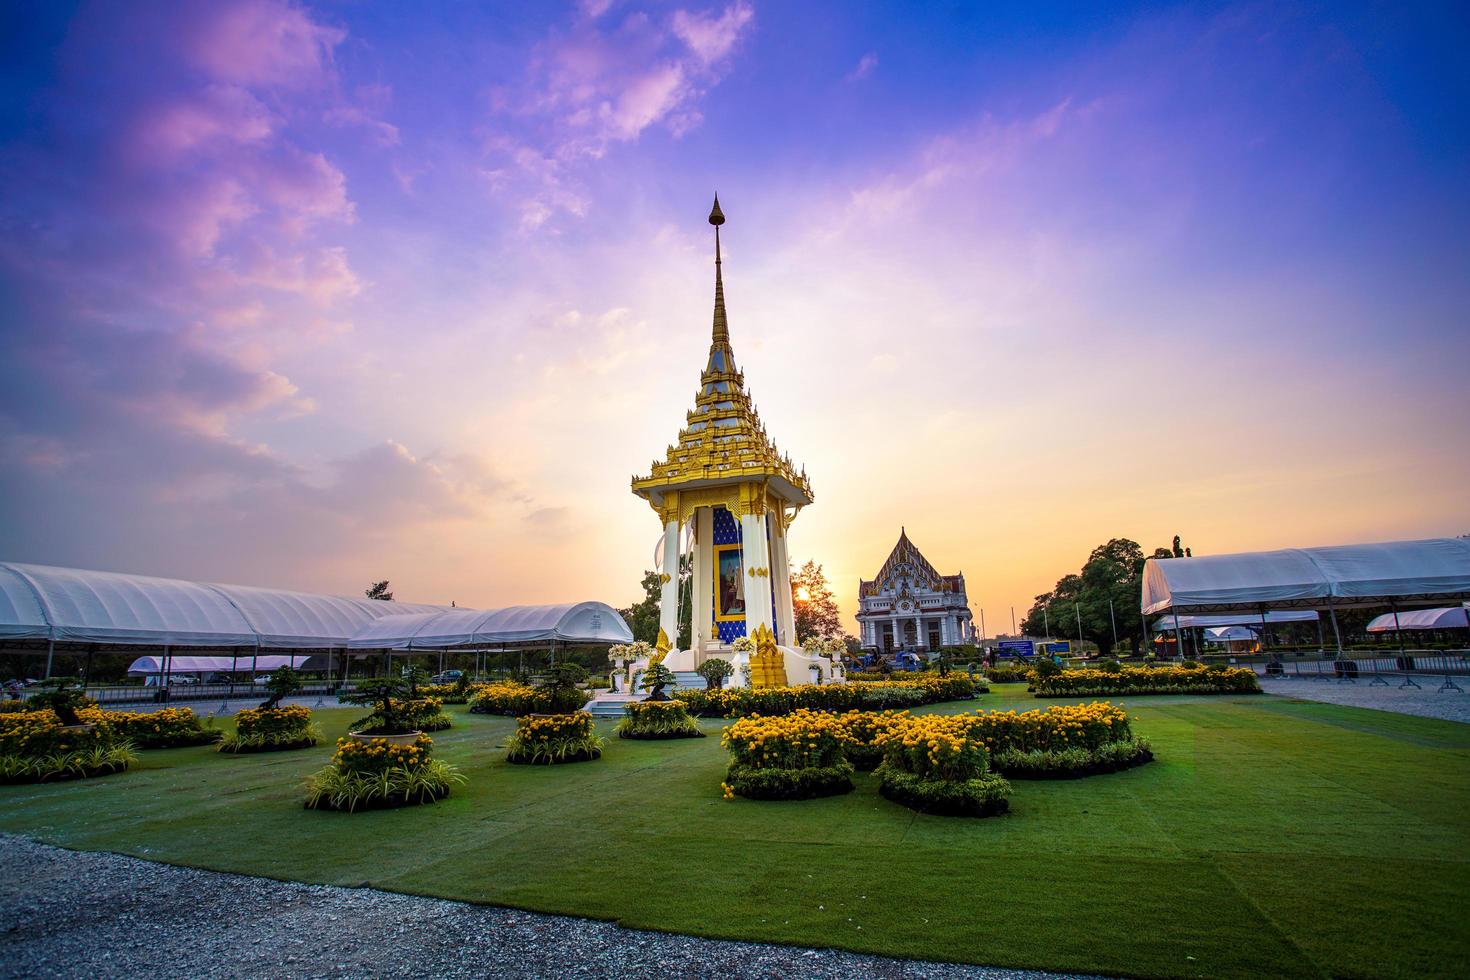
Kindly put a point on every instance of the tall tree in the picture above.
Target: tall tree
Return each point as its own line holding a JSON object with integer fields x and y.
{"x": 1105, "y": 593}
{"x": 379, "y": 590}
{"x": 813, "y": 606}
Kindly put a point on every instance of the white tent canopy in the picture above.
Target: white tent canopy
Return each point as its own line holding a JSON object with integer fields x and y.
{"x": 1228, "y": 634}
{"x": 152, "y": 666}
{"x": 581, "y": 622}
{"x": 1344, "y": 576}
{"x": 1451, "y": 618}
{"x": 81, "y": 606}
{"x": 1191, "y": 621}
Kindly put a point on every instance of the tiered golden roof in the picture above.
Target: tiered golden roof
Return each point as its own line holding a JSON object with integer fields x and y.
{"x": 723, "y": 440}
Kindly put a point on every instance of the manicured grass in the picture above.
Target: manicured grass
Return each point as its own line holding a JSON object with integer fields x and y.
{"x": 1270, "y": 837}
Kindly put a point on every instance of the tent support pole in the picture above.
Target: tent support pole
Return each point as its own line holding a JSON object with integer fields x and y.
{"x": 254, "y": 662}
{"x": 1321, "y": 641}
{"x": 1397, "y": 631}
{"x": 234, "y": 668}
{"x": 1178, "y": 635}
{"x": 1264, "y": 642}
{"x": 50, "y": 655}
{"x": 1336, "y": 633}
{"x": 168, "y": 672}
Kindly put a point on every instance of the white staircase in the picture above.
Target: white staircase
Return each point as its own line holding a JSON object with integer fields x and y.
{"x": 608, "y": 705}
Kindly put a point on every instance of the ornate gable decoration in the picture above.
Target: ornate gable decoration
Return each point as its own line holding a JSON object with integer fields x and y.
{"x": 907, "y": 570}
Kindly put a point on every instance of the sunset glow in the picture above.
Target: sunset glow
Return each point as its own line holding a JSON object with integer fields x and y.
{"x": 311, "y": 295}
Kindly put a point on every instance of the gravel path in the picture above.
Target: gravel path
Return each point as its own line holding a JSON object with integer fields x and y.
{"x": 1426, "y": 701}
{"x": 90, "y": 915}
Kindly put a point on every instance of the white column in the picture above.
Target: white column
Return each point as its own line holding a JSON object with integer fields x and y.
{"x": 757, "y": 587}
{"x": 781, "y": 584}
{"x": 668, "y": 608}
{"x": 704, "y": 576}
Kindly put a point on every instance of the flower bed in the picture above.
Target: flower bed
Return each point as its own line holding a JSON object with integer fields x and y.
{"x": 419, "y": 714}
{"x": 34, "y": 747}
{"x": 446, "y": 693}
{"x": 1149, "y": 680}
{"x": 272, "y": 730}
{"x": 1060, "y": 742}
{"x": 1004, "y": 673}
{"x": 862, "y": 732}
{"x": 743, "y": 702}
{"x": 657, "y": 720}
{"x": 552, "y": 739}
{"x": 936, "y": 764}
{"x": 516, "y": 699}
{"x": 166, "y": 728}
{"x": 369, "y": 775}
{"x": 796, "y": 756}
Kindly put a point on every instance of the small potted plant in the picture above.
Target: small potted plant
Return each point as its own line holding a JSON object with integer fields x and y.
{"x": 65, "y": 696}
{"x": 391, "y": 719}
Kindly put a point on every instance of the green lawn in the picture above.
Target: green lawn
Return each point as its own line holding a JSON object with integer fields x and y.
{"x": 1269, "y": 837}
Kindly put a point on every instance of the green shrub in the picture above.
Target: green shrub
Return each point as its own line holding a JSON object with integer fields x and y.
{"x": 1110, "y": 666}
{"x": 983, "y": 796}
{"x": 714, "y": 671}
{"x": 1007, "y": 673}
{"x": 657, "y": 720}
{"x": 95, "y": 760}
{"x": 1150, "y": 680}
{"x": 807, "y": 783}
{"x": 1044, "y": 666}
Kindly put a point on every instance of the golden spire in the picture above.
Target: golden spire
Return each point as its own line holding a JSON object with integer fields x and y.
{"x": 722, "y": 326}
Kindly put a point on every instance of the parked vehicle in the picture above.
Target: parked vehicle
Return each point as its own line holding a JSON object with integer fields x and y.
{"x": 447, "y": 677}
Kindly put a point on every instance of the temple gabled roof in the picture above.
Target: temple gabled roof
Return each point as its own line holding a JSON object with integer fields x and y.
{"x": 923, "y": 574}
{"x": 723, "y": 440}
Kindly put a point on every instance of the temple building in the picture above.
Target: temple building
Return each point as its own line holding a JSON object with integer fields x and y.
{"x": 910, "y": 606}
{"x": 724, "y": 486}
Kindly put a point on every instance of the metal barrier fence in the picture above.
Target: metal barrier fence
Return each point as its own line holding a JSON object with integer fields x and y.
{"x": 1430, "y": 666}
{"x": 116, "y": 694}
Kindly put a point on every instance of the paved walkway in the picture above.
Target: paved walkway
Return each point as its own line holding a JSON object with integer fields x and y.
{"x": 90, "y": 915}
{"x": 1426, "y": 701}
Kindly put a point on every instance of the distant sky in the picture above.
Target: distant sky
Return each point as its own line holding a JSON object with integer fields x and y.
{"x": 307, "y": 295}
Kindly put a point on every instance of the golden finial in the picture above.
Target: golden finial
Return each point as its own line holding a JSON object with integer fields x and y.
{"x": 722, "y": 326}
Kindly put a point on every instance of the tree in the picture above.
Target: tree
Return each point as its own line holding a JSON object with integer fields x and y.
{"x": 813, "y": 606}
{"x": 283, "y": 682}
{"x": 1104, "y": 593}
{"x": 655, "y": 679}
{"x": 560, "y": 684}
{"x": 388, "y": 696}
{"x": 379, "y": 590}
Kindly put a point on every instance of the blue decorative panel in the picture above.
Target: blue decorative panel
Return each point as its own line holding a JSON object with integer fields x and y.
{"x": 727, "y": 531}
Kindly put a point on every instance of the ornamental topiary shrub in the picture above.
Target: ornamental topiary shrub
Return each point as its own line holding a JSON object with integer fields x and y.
{"x": 1110, "y": 666}
{"x": 272, "y": 730}
{"x": 1043, "y": 666}
{"x": 553, "y": 739}
{"x": 657, "y": 720}
{"x": 376, "y": 774}
{"x": 655, "y": 679}
{"x": 36, "y": 747}
{"x": 63, "y": 695}
{"x": 797, "y": 756}
{"x": 1149, "y": 680}
{"x": 934, "y": 764}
